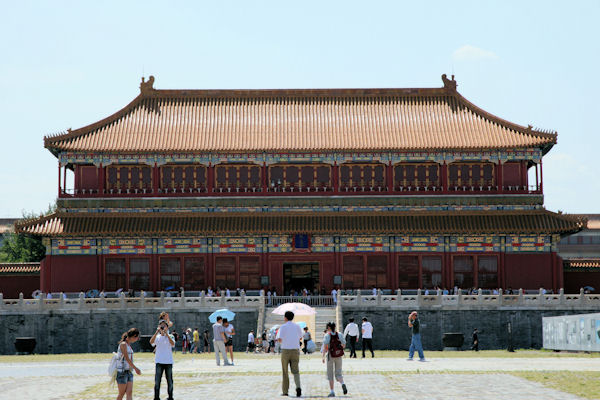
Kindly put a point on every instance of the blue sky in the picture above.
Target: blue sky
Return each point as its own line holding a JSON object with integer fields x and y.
{"x": 69, "y": 63}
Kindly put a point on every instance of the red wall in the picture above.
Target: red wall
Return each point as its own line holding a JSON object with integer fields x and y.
{"x": 528, "y": 271}
{"x": 73, "y": 273}
{"x": 12, "y": 285}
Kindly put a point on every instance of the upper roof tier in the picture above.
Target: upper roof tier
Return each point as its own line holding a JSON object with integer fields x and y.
{"x": 299, "y": 120}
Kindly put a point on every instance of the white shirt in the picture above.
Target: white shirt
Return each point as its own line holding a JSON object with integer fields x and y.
{"x": 367, "y": 330}
{"x": 334, "y": 294}
{"x": 164, "y": 350}
{"x": 227, "y": 293}
{"x": 250, "y": 337}
{"x": 228, "y": 330}
{"x": 290, "y": 334}
{"x": 374, "y": 291}
{"x": 351, "y": 329}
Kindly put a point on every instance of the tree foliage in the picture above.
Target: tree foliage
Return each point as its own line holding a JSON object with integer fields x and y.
{"x": 23, "y": 247}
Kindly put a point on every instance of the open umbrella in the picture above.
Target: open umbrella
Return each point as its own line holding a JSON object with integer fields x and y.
{"x": 302, "y": 324}
{"x": 296, "y": 308}
{"x": 223, "y": 313}
{"x": 591, "y": 289}
{"x": 274, "y": 328}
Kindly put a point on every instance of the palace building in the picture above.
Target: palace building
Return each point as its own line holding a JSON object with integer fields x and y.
{"x": 292, "y": 189}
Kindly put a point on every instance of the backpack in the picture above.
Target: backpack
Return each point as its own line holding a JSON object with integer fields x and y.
{"x": 335, "y": 346}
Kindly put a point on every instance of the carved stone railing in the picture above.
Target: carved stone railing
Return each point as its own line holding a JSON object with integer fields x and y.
{"x": 476, "y": 301}
{"x": 99, "y": 303}
{"x": 412, "y": 301}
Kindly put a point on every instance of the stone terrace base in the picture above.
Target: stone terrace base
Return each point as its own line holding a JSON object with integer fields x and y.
{"x": 260, "y": 378}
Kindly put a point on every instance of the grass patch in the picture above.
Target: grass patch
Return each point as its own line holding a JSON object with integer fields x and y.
{"x": 580, "y": 383}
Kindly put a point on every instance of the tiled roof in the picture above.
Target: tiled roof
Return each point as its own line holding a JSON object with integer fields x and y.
{"x": 19, "y": 268}
{"x": 265, "y": 223}
{"x": 299, "y": 120}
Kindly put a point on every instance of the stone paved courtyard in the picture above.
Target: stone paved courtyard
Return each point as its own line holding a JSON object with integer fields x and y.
{"x": 259, "y": 378}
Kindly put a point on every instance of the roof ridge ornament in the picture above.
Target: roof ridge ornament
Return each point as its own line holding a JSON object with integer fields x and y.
{"x": 147, "y": 87}
{"x": 449, "y": 83}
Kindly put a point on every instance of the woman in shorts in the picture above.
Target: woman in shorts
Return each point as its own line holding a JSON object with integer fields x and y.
{"x": 125, "y": 364}
{"x": 229, "y": 332}
{"x": 333, "y": 353}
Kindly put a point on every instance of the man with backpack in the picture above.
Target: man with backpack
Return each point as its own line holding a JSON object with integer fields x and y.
{"x": 333, "y": 351}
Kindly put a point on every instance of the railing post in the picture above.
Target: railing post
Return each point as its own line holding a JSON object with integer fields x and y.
{"x": 41, "y": 303}
{"x": 122, "y": 299}
{"x": 21, "y": 299}
{"x": 399, "y": 296}
{"x": 243, "y": 297}
{"x": 102, "y": 300}
{"x": 202, "y": 299}
{"x": 142, "y": 299}
{"x": 378, "y": 297}
{"x": 500, "y": 296}
{"x": 561, "y": 296}
{"x": 182, "y": 298}
{"x": 520, "y": 300}
{"x": 541, "y": 297}
{"x": 359, "y": 299}
{"x": 223, "y": 298}
{"x": 581, "y": 296}
{"x": 61, "y": 302}
{"x": 479, "y": 297}
{"x": 162, "y": 298}
{"x": 1, "y": 301}
{"x": 419, "y": 298}
{"x": 459, "y": 299}
{"x": 81, "y": 301}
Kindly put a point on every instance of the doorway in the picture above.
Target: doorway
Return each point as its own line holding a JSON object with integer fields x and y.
{"x": 300, "y": 275}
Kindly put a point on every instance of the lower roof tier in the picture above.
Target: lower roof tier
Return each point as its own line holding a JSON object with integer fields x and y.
{"x": 216, "y": 224}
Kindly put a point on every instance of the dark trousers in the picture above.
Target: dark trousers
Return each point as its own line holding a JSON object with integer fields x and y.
{"x": 367, "y": 343}
{"x": 305, "y": 349}
{"x": 352, "y": 341}
{"x": 168, "y": 370}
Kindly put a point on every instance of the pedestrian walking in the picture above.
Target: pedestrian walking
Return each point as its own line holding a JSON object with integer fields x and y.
{"x": 184, "y": 342}
{"x": 219, "y": 341}
{"x": 205, "y": 337}
{"x": 333, "y": 354}
{"x": 250, "y": 347}
{"x": 475, "y": 337}
{"x": 306, "y": 337}
{"x": 125, "y": 364}
{"x": 163, "y": 342}
{"x": 367, "y": 337}
{"x": 334, "y": 296}
{"x": 351, "y": 332}
{"x": 415, "y": 342}
{"x": 229, "y": 332}
{"x": 289, "y": 336}
{"x": 195, "y": 341}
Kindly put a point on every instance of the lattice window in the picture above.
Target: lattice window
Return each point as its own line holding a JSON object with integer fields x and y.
{"x": 249, "y": 272}
{"x": 139, "y": 274}
{"x": 225, "y": 272}
{"x": 363, "y": 177}
{"x": 353, "y": 272}
{"x": 431, "y": 272}
{"x": 183, "y": 178}
{"x": 128, "y": 178}
{"x": 116, "y": 277}
{"x": 237, "y": 177}
{"x": 463, "y": 272}
{"x": 408, "y": 272}
{"x": 487, "y": 273}
{"x": 377, "y": 271}
{"x": 417, "y": 176}
{"x": 170, "y": 273}
{"x": 193, "y": 273}
{"x": 471, "y": 175}
{"x": 288, "y": 177}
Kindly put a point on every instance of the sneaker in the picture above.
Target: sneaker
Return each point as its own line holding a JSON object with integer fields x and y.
{"x": 298, "y": 392}
{"x": 344, "y": 388}
{"x": 422, "y": 360}
{"x": 409, "y": 359}
{"x": 331, "y": 394}
{"x": 284, "y": 394}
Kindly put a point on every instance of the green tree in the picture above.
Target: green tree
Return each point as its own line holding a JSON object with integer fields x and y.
{"x": 24, "y": 247}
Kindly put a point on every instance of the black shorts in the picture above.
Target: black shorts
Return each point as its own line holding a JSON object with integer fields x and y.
{"x": 229, "y": 342}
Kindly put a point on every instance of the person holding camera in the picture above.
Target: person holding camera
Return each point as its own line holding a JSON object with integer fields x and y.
{"x": 163, "y": 358}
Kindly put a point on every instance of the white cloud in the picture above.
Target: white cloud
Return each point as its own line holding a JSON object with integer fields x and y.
{"x": 472, "y": 53}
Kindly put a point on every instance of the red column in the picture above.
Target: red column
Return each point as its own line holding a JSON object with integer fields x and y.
{"x": 100, "y": 175}
{"x": 444, "y": 177}
{"x": 541, "y": 176}
{"x": 210, "y": 178}
{"x": 59, "y": 191}
{"x": 155, "y": 177}
{"x": 264, "y": 178}
{"x": 65, "y": 179}
{"x": 524, "y": 173}
{"x": 499, "y": 176}
{"x": 335, "y": 172}
{"x": 390, "y": 177}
